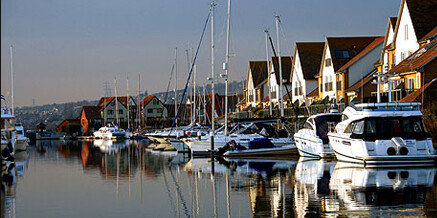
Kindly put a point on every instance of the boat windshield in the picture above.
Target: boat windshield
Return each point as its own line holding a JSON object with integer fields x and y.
{"x": 371, "y": 129}
{"x": 325, "y": 124}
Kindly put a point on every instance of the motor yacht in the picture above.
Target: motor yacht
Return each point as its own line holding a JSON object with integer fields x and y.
{"x": 382, "y": 133}
{"x": 312, "y": 140}
{"x": 21, "y": 141}
{"x": 110, "y": 131}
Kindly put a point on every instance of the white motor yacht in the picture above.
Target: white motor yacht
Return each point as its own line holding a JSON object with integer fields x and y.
{"x": 382, "y": 133}
{"x": 241, "y": 134}
{"x": 312, "y": 140}
{"x": 22, "y": 141}
{"x": 110, "y": 131}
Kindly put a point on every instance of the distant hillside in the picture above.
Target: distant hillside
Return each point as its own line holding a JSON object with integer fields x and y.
{"x": 235, "y": 87}
{"x": 53, "y": 114}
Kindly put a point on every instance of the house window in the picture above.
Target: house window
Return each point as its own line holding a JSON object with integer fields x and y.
{"x": 110, "y": 112}
{"x": 402, "y": 55}
{"x": 339, "y": 85}
{"x": 417, "y": 81}
{"x": 341, "y": 54}
{"x": 410, "y": 83}
{"x": 328, "y": 62}
{"x": 150, "y": 111}
{"x": 120, "y": 111}
{"x": 159, "y": 110}
{"x": 406, "y": 31}
{"x": 321, "y": 87}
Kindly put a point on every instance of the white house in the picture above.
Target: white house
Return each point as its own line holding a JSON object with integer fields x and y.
{"x": 256, "y": 83}
{"x": 306, "y": 64}
{"x": 153, "y": 110}
{"x": 337, "y": 52}
{"x": 109, "y": 113}
{"x": 275, "y": 76}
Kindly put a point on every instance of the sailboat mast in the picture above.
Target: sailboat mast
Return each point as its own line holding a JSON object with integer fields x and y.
{"x": 226, "y": 65}
{"x": 12, "y": 80}
{"x": 281, "y": 102}
{"x": 127, "y": 103}
{"x": 116, "y": 101}
{"x": 268, "y": 73}
{"x": 194, "y": 91}
{"x": 139, "y": 104}
{"x": 212, "y": 77}
{"x": 176, "y": 85}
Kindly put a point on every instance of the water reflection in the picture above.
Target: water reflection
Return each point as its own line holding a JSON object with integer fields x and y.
{"x": 382, "y": 191}
{"x": 137, "y": 181}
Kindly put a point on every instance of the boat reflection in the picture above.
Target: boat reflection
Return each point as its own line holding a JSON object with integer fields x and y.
{"x": 374, "y": 191}
{"x": 311, "y": 190}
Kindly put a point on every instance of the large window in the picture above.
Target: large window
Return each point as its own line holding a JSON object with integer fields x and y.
{"x": 417, "y": 81}
{"x": 375, "y": 128}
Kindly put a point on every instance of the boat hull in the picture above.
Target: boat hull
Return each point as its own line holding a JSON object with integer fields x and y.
{"x": 276, "y": 151}
{"x": 377, "y": 153}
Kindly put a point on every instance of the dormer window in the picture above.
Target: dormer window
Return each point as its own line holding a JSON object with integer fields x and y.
{"x": 341, "y": 54}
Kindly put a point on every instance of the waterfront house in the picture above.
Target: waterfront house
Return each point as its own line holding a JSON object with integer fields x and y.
{"x": 90, "y": 119}
{"x": 337, "y": 52}
{"x": 153, "y": 110}
{"x": 69, "y": 126}
{"x": 414, "y": 27}
{"x": 306, "y": 64}
{"x": 419, "y": 68}
{"x": 275, "y": 78}
{"x": 356, "y": 74}
{"x": 109, "y": 114}
{"x": 256, "y": 83}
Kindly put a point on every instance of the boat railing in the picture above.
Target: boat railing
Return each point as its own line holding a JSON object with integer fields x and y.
{"x": 391, "y": 106}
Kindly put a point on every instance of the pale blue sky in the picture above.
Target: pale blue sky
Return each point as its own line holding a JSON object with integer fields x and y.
{"x": 64, "y": 50}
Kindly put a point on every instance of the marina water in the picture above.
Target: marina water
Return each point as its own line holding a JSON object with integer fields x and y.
{"x": 84, "y": 179}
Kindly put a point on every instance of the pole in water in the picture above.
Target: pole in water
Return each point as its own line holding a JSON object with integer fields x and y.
{"x": 212, "y": 79}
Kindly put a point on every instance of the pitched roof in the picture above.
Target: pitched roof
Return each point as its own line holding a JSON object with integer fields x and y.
{"x": 286, "y": 68}
{"x": 146, "y": 100}
{"x": 393, "y": 21}
{"x": 353, "y": 45}
{"x": 361, "y": 82}
{"x": 259, "y": 71}
{"x": 418, "y": 59}
{"x": 92, "y": 112}
{"x": 310, "y": 56}
{"x": 423, "y": 16}
{"x": 416, "y": 96}
{"x": 431, "y": 35}
{"x": 104, "y": 101}
{"x": 367, "y": 49}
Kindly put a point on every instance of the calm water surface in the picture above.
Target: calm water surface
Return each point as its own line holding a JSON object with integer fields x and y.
{"x": 123, "y": 179}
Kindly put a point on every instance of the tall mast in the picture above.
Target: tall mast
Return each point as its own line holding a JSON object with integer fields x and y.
{"x": 189, "y": 89}
{"x": 194, "y": 91}
{"x": 116, "y": 101}
{"x": 268, "y": 72}
{"x": 281, "y": 102}
{"x": 176, "y": 86}
{"x": 226, "y": 65}
{"x": 127, "y": 102}
{"x": 212, "y": 76}
{"x": 12, "y": 80}
{"x": 139, "y": 104}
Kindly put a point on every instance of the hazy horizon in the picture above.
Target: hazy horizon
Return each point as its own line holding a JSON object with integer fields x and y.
{"x": 64, "y": 51}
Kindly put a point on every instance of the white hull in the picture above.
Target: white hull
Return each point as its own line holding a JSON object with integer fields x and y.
{"x": 375, "y": 153}
{"x": 281, "y": 150}
{"x": 312, "y": 146}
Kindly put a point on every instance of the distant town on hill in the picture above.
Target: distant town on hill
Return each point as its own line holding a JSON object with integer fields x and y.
{"x": 53, "y": 114}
